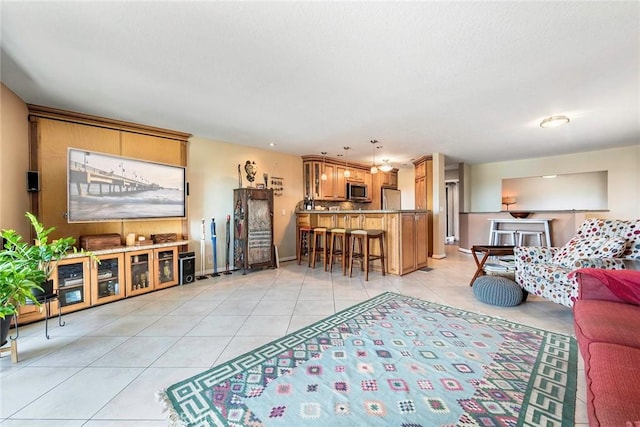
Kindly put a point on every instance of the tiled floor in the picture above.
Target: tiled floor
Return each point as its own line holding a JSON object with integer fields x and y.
{"x": 104, "y": 366}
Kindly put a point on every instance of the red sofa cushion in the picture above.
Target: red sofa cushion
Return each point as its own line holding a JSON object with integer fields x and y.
{"x": 613, "y": 385}
{"x": 606, "y": 321}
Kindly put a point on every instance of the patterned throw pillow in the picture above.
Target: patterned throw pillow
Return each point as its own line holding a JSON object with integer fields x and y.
{"x": 592, "y": 247}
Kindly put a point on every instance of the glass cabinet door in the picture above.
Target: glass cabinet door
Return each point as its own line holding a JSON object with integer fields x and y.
{"x": 107, "y": 279}
{"x": 72, "y": 278}
{"x": 139, "y": 267}
{"x": 166, "y": 267}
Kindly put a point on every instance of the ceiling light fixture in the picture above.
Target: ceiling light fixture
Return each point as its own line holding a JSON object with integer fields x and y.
{"x": 347, "y": 174}
{"x": 554, "y": 121}
{"x": 386, "y": 166}
{"x": 324, "y": 175}
{"x": 374, "y": 167}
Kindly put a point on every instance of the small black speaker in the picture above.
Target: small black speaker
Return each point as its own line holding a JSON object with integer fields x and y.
{"x": 33, "y": 181}
{"x": 187, "y": 267}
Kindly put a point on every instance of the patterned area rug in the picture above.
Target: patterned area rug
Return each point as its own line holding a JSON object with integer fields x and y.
{"x": 390, "y": 361}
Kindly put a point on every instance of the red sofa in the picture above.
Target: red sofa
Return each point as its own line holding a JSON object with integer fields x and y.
{"x": 607, "y": 325}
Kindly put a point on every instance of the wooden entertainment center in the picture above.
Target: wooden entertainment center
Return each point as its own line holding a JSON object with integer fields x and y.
{"x": 123, "y": 271}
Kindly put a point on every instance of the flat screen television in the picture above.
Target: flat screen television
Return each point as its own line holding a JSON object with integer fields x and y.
{"x": 105, "y": 187}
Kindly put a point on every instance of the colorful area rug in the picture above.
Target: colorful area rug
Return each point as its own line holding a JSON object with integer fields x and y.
{"x": 390, "y": 361}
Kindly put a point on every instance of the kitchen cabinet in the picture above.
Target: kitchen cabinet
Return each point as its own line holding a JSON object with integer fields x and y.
{"x": 406, "y": 233}
{"x": 424, "y": 192}
{"x": 413, "y": 230}
{"x": 107, "y": 279}
{"x": 253, "y": 228}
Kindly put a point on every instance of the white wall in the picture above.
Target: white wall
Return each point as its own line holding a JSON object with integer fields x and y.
{"x": 213, "y": 175}
{"x": 622, "y": 165}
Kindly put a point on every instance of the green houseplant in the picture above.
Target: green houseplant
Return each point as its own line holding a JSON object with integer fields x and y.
{"x": 25, "y": 267}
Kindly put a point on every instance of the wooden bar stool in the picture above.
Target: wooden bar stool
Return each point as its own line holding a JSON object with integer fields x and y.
{"x": 319, "y": 242}
{"x": 341, "y": 249}
{"x": 522, "y": 235}
{"x": 364, "y": 238}
{"x": 304, "y": 242}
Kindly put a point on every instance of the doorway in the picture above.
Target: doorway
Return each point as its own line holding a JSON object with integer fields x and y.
{"x": 452, "y": 209}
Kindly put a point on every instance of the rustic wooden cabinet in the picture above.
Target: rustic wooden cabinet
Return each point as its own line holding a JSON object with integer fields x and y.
{"x": 253, "y": 228}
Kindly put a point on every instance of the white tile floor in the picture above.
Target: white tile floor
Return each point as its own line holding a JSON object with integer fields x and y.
{"x": 104, "y": 366}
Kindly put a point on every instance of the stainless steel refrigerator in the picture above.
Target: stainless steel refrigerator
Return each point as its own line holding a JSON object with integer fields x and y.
{"x": 391, "y": 199}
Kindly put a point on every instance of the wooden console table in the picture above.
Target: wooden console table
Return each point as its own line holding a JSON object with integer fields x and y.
{"x": 487, "y": 250}
{"x": 497, "y": 222}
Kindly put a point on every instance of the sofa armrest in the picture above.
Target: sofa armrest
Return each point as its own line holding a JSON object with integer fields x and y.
{"x": 609, "y": 285}
{"x": 534, "y": 254}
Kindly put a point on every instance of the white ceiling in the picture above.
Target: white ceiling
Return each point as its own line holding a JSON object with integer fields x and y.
{"x": 471, "y": 80}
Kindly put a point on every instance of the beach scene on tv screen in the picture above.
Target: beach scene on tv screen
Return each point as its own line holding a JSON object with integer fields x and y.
{"x": 106, "y": 187}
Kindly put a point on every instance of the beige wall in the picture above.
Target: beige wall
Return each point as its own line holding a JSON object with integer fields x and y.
{"x": 213, "y": 174}
{"x": 622, "y": 164}
{"x": 14, "y": 162}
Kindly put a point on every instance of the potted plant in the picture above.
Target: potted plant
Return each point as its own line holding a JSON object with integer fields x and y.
{"x": 25, "y": 268}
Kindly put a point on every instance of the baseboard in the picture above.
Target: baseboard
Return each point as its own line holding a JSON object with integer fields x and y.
{"x": 438, "y": 256}
{"x": 466, "y": 251}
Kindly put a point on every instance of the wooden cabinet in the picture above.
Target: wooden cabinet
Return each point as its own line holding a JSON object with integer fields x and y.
{"x": 165, "y": 267}
{"x": 107, "y": 279}
{"x": 82, "y": 282}
{"x": 388, "y": 179}
{"x": 253, "y": 228}
{"x": 71, "y": 280}
{"x": 139, "y": 265}
{"x": 413, "y": 230}
{"x": 334, "y": 188}
{"x": 424, "y": 191}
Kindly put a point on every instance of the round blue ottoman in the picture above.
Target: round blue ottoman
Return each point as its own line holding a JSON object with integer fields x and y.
{"x": 497, "y": 290}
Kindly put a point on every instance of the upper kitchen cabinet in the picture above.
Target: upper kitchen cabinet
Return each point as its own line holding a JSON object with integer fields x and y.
{"x": 334, "y": 187}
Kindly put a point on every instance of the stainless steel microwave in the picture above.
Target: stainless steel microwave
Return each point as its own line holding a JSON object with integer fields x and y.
{"x": 357, "y": 192}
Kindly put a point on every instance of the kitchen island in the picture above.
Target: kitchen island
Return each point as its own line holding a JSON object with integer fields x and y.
{"x": 406, "y": 233}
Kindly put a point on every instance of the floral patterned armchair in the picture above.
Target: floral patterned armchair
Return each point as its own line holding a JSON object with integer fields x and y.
{"x": 599, "y": 243}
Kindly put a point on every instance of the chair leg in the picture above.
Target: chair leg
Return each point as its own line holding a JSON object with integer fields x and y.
{"x": 382, "y": 254}
{"x": 365, "y": 259}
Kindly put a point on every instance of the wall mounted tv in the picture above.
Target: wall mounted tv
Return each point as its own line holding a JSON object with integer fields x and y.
{"x": 105, "y": 187}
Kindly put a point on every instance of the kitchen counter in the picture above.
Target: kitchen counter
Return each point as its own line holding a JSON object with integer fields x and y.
{"x": 405, "y": 233}
{"x": 359, "y": 211}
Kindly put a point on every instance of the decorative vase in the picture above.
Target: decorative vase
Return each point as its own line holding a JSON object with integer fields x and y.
{"x": 47, "y": 289}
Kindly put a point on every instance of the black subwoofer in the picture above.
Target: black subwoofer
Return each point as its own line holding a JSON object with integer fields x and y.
{"x": 187, "y": 267}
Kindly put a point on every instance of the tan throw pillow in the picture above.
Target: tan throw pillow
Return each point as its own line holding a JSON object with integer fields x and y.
{"x": 591, "y": 247}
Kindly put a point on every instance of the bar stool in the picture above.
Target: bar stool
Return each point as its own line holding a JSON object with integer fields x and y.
{"x": 319, "y": 242}
{"x": 364, "y": 238}
{"x": 496, "y": 234}
{"x": 522, "y": 235}
{"x": 304, "y": 236}
{"x": 340, "y": 236}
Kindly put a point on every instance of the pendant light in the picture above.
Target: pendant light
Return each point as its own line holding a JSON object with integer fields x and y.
{"x": 374, "y": 168}
{"x": 347, "y": 174}
{"x": 386, "y": 166}
{"x": 324, "y": 175}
